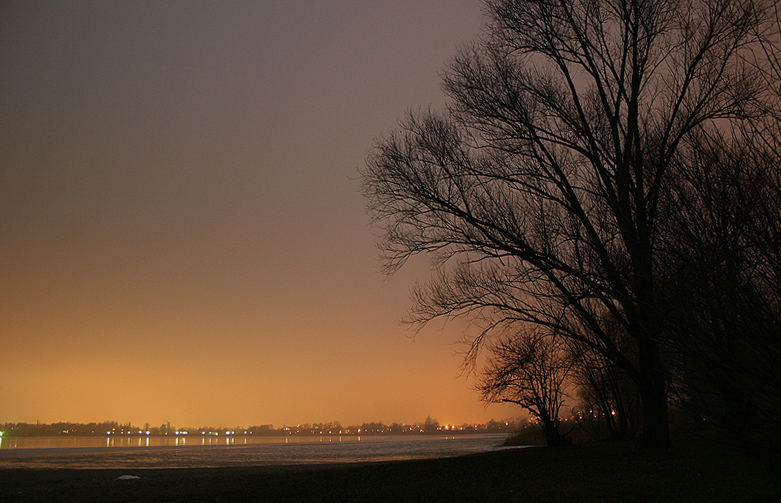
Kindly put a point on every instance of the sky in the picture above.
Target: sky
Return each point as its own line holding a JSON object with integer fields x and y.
{"x": 182, "y": 234}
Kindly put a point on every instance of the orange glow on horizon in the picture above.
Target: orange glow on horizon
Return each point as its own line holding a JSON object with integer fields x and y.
{"x": 183, "y": 235}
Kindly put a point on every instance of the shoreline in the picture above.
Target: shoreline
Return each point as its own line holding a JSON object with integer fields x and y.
{"x": 695, "y": 470}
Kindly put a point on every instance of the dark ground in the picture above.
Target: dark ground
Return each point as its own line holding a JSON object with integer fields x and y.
{"x": 697, "y": 469}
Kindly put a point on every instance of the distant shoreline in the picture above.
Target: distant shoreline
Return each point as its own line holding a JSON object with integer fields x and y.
{"x": 237, "y": 436}
{"x": 114, "y": 429}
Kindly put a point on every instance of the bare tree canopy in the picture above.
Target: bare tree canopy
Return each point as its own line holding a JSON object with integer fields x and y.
{"x": 530, "y": 371}
{"x": 539, "y": 190}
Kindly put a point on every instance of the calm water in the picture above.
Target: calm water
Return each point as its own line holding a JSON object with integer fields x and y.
{"x": 198, "y": 452}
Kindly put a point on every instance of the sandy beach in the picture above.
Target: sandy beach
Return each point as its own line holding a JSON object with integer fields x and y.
{"x": 696, "y": 470}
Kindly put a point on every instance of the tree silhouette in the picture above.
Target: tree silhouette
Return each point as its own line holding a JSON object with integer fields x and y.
{"x": 539, "y": 190}
{"x": 530, "y": 371}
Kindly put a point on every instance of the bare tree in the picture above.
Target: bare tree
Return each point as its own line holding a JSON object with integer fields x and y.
{"x": 529, "y": 371}
{"x": 538, "y": 191}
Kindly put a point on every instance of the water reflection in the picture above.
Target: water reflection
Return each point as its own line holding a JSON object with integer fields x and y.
{"x": 165, "y": 451}
{"x": 137, "y": 441}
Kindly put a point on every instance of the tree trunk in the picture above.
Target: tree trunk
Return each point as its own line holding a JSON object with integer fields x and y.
{"x": 736, "y": 404}
{"x": 552, "y": 436}
{"x": 646, "y": 326}
{"x": 654, "y": 427}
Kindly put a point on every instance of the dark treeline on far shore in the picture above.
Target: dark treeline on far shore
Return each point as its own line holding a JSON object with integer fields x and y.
{"x": 429, "y": 426}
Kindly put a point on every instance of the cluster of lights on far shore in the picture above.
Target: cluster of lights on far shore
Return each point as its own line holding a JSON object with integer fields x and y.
{"x": 296, "y": 430}
{"x": 177, "y": 432}
{"x": 227, "y": 433}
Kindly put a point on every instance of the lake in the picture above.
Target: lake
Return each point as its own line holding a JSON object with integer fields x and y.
{"x": 239, "y": 450}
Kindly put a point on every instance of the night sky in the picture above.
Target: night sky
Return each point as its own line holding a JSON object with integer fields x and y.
{"x": 182, "y": 234}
